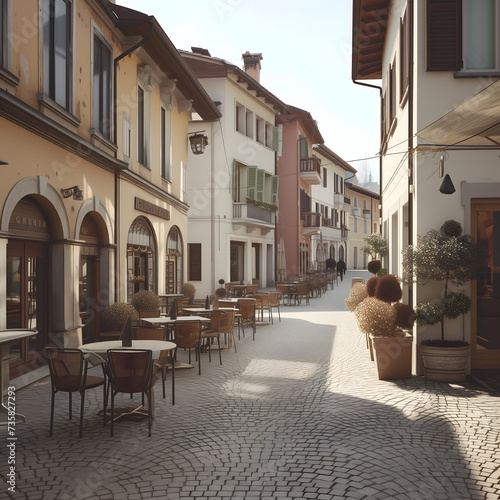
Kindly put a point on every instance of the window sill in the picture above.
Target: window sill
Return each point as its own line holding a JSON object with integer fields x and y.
{"x": 9, "y": 78}
{"x": 477, "y": 74}
{"x": 103, "y": 142}
{"x": 56, "y": 112}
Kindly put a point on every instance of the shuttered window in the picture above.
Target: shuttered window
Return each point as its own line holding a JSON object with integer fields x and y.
{"x": 261, "y": 175}
{"x": 194, "y": 261}
{"x": 444, "y": 35}
{"x": 404, "y": 56}
{"x": 274, "y": 188}
{"x": 252, "y": 182}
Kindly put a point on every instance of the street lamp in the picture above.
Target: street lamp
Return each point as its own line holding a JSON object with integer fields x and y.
{"x": 75, "y": 191}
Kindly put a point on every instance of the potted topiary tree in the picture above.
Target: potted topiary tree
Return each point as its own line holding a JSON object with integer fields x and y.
{"x": 221, "y": 291}
{"x": 113, "y": 319}
{"x": 448, "y": 257}
{"x": 188, "y": 290}
{"x": 387, "y": 325}
{"x": 146, "y": 303}
{"x": 376, "y": 248}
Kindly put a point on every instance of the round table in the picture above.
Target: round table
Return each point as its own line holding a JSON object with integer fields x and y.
{"x": 156, "y": 346}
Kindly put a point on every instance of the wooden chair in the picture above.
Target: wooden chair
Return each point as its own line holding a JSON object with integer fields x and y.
{"x": 165, "y": 360}
{"x": 187, "y": 335}
{"x": 316, "y": 287}
{"x": 226, "y": 303}
{"x": 246, "y": 315}
{"x": 149, "y": 314}
{"x": 251, "y": 289}
{"x": 283, "y": 292}
{"x": 226, "y": 326}
{"x": 213, "y": 332}
{"x": 180, "y": 304}
{"x": 68, "y": 373}
{"x": 301, "y": 292}
{"x": 274, "y": 302}
{"x": 131, "y": 372}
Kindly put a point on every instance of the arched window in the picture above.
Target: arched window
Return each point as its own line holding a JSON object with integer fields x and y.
{"x": 141, "y": 257}
{"x": 174, "y": 275}
{"x": 332, "y": 252}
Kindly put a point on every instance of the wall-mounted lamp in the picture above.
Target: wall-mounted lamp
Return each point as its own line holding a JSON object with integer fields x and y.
{"x": 446, "y": 186}
{"x": 198, "y": 142}
{"x": 75, "y": 191}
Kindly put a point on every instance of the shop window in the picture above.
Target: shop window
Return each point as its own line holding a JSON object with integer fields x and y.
{"x": 174, "y": 264}
{"x": 141, "y": 258}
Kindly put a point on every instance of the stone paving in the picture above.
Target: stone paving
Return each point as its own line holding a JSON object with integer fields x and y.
{"x": 297, "y": 414}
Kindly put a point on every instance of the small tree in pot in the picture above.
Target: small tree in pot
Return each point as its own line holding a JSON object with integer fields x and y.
{"x": 147, "y": 303}
{"x": 188, "y": 290}
{"x": 113, "y": 319}
{"x": 221, "y": 291}
{"x": 448, "y": 257}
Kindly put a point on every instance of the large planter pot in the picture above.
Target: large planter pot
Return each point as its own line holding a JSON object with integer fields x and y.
{"x": 445, "y": 364}
{"x": 393, "y": 356}
{"x": 370, "y": 345}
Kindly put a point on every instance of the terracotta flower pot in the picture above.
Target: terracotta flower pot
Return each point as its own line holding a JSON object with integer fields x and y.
{"x": 393, "y": 356}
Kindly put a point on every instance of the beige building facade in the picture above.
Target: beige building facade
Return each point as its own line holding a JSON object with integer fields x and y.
{"x": 94, "y": 109}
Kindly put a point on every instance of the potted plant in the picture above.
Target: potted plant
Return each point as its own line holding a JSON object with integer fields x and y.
{"x": 188, "y": 290}
{"x": 221, "y": 291}
{"x": 146, "y": 303}
{"x": 448, "y": 257}
{"x": 113, "y": 319}
{"x": 387, "y": 326}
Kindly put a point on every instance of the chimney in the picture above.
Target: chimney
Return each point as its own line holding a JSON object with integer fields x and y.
{"x": 252, "y": 64}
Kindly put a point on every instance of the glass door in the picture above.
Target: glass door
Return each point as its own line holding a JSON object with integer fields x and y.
{"x": 485, "y": 339}
{"x": 26, "y": 299}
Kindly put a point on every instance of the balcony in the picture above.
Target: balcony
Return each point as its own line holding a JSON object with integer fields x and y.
{"x": 356, "y": 212}
{"x": 311, "y": 223}
{"x": 253, "y": 217}
{"x": 367, "y": 214}
{"x": 310, "y": 170}
{"x": 338, "y": 201}
{"x": 344, "y": 233}
{"x": 347, "y": 200}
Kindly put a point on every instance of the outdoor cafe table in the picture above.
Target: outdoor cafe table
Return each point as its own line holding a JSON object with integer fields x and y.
{"x": 7, "y": 339}
{"x": 167, "y": 299}
{"x": 155, "y": 346}
{"x": 239, "y": 290}
{"x": 203, "y": 310}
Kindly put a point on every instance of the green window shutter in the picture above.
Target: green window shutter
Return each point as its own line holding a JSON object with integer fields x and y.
{"x": 274, "y": 188}
{"x": 261, "y": 175}
{"x": 252, "y": 182}
{"x": 304, "y": 148}
{"x": 236, "y": 173}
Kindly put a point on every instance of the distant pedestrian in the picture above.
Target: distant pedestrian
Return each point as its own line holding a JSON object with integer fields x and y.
{"x": 341, "y": 269}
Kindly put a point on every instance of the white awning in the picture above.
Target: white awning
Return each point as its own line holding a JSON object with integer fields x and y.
{"x": 474, "y": 122}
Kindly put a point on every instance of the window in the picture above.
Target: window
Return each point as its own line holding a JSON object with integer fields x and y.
{"x": 365, "y": 205}
{"x": 240, "y": 119}
{"x": 355, "y": 225}
{"x": 260, "y": 131}
{"x": 481, "y": 34}
{"x": 4, "y": 40}
{"x": 57, "y": 40}
{"x": 392, "y": 92}
{"x": 184, "y": 197}
{"x": 270, "y": 136}
{"x": 355, "y": 202}
{"x": 324, "y": 177}
{"x": 365, "y": 226}
{"x": 143, "y": 126}
{"x": 127, "y": 133}
{"x": 194, "y": 261}
{"x": 249, "y": 123}
{"x": 304, "y": 148}
{"x": 102, "y": 87}
{"x": 166, "y": 144}
{"x": 404, "y": 65}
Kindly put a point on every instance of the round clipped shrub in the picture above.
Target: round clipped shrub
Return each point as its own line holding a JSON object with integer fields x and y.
{"x": 371, "y": 284}
{"x": 381, "y": 272}
{"x": 374, "y": 266}
{"x": 331, "y": 264}
{"x": 188, "y": 290}
{"x": 388, "y": 288}
{"x": 376, "y": 317}
{"x": 146, "y": 300}
{"x": 114, "y": 316}
{"x": 456, "y": 304}
{"x": 221, "y": 292}
{"x": 405, "y": 316}
{"x": 357, "y": 295}
{"x": 451, "y": 228}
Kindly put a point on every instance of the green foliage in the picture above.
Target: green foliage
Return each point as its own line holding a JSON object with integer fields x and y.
{"x": 221, "y": 281}
{"x": 146, "y": 300}
{"x": 374, "y": 266}
{"x": 382, "y": 272}
{"x": 114, "y": 316}
{"x": 330, "y": 263}
{"x": 376, "y": 246}
{"x": 356, "y": 296}
{"x": 444, "y": 256}
{"x": 266, "y": 205}
{"x": 451, "y": 228}
{"x": 405, "y": 316}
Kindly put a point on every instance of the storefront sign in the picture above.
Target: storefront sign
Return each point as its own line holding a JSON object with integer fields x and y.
{"x": 152, "y": 209}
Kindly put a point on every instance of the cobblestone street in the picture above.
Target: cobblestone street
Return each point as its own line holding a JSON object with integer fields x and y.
{"x": 297, "y": 414}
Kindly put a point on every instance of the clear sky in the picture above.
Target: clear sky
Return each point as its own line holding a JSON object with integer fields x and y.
{"x": 306, "y": 50}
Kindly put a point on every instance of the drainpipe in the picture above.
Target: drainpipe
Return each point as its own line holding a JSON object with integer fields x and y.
{"x": 115, "y": 136}
{"x": 410, "y": 132}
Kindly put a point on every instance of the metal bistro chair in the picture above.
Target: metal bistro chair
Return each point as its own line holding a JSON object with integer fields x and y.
{"x": 165, "y": 360}
{"x": 301, "y": 292}
{"x": 68, "y": 373}
{"x": 227, "y": 326}
{"x": 131, "y": 372}
{"x": 274, "y": 302}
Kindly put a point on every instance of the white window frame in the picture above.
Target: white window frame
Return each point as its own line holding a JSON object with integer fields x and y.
{"x": 166, "y": 162}
{"x": 146, "y": 128}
